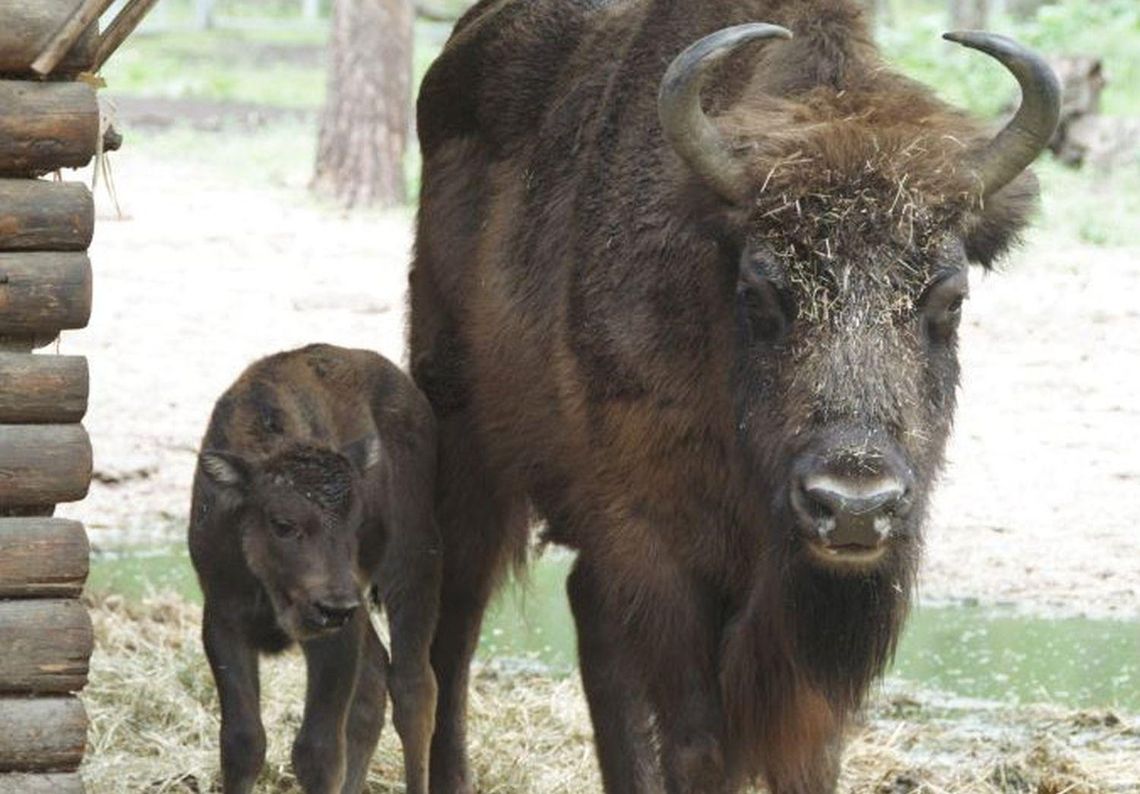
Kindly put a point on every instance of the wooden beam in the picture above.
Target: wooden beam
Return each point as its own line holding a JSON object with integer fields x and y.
{"x": 44, "y": 292}
{"x": 46, "y": 126}
{"x": 42, "y": 558}
{"x": 27, "y": 29}
{"x": 68, "y": 34}
{"x": 43, "y": 464}
{"x": 42, "y": 389}
{"x": 60, "y": 783}
{"x": 37, "y": 214}
{"x": 42, "y": 734}
{"x": 122, "y": 26}
{"x": 46, "y": 643}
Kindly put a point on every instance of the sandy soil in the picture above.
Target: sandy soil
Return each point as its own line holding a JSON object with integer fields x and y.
{"x": 206, "y": 274}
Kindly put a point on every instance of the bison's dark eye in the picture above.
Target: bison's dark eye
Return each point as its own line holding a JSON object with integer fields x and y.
{"x": 941, "y": 304}
{"x": 284, "y": 529}
{"x": 768, "y": 310}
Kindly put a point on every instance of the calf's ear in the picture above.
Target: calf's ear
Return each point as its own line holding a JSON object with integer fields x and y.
{"x": 225, "y": 469}
{"x": 363, "y": 453}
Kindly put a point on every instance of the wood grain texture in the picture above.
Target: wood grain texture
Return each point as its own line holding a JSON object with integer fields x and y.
{"x": 42, "y": 558}
{"x": 47, "y": 644}
{"x": 43, "y": 464}
{"x": 68, "y": 35}
{"x": 26, "y": 28}
{"x": 43, "y": 292}
{"x": 39, "y": 215}
{"x": 42, "y": 389}
{"x": 60, "y": 783}
{"x": 46, "y": 126}
{"x": 42, "y": 734}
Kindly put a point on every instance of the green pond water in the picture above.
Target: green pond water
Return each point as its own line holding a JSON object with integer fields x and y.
{"x": 963, "y": 651}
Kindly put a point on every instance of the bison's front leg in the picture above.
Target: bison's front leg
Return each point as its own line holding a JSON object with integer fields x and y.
{"x": 623, "y": 733}
{"x": 333, "y": 663}
{"x": 234, "y": 664}
{"x": 684, "y": 689}
{"x": 668, "y": 631}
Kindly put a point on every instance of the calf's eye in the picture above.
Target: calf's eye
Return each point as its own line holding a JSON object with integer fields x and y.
{"x": 284, "y": 529}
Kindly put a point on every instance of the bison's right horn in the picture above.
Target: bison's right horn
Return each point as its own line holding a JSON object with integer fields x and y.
{"x": 1029, "y": 131}
{"x": 685, "y": 124}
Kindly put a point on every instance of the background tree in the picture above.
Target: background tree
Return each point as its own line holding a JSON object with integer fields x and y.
{"x": 968, "y": 14}
{"x": 365, "y": 121}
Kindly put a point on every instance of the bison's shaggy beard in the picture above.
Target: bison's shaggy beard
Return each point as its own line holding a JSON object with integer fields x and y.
{"x": 801, "y": 654}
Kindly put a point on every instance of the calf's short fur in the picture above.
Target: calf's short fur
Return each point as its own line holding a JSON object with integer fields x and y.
{"x": 313, "y": 494}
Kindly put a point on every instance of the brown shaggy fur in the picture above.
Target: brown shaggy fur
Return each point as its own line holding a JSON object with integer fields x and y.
{"x": 611, "y": 345}
{"x": 314, "y": 484}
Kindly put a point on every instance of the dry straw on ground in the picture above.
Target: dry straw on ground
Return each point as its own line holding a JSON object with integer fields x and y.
{"x": 154, "y": 728}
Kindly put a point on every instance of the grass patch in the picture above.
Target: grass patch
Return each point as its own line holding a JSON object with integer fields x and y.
{"x": 283, "y": 68}
{"x": 1108, "y": 29}
{"x": 1089, "y": 206}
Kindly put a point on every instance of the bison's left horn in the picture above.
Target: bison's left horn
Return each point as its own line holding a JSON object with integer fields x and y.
{"x": 1029, "y": 131}
{"x": 685, "y": 124}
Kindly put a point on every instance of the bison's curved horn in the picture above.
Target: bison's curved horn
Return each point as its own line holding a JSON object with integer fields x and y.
{"x": 685, "y": 124}
{"x": 1029, "y": 131}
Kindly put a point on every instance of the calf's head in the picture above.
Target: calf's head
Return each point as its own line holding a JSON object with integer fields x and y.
{"x": 299, "y": 514}
{"x": 849, "y": 213}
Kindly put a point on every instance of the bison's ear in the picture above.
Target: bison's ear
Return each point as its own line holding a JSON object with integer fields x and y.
{"x": 998, "y": 226}
{"x": 225, "y": 469}
{"x": 363, "y": 453}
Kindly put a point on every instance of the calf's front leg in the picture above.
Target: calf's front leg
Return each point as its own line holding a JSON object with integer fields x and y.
{"x": 233, "y": 662}
{"x": 333, "y": 663}
{"x": 366, "y": 716}
{"x": 410, "y": 577}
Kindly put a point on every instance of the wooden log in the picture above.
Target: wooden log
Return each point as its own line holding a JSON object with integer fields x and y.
{"x": 38, "y": 215}
{"x": 46, "y": 126}
{"x": 68, "y": 34}
{"x": 27, "y": 28}
{"x": 42, "y": 292}
{"x": 46, "y": 643}
{"x": 59, "y": 783}
{"x": 43, "y": 464}
{"x": 42, "y": 389}
{"x": 17, "y": 344}
{"x": 42, "y": 558}
{"x": 42, "y": 734}
{"x": 121, "y": 26}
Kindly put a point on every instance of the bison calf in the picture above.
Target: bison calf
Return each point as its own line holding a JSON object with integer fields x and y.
{"x": 313, "y": 493}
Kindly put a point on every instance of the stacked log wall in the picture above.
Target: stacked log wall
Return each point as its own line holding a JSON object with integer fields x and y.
{"x": 46, "y": 226}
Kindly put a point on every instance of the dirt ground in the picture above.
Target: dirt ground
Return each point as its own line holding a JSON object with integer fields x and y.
{"x": 207, "y": 271}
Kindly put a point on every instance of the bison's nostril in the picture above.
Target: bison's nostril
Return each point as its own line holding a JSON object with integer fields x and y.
{"x": 849, "y": 512}
{"x": 335, "y": 615}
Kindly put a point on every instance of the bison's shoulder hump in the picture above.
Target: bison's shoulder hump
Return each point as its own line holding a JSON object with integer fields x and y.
{"x": 499, "y": 70}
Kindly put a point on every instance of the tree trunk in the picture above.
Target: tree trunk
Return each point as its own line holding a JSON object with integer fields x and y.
{"x": 364, "y": 126}
{"x": 204, "y": 14}
{"x": 968, "y": 14}
{"x": 1023, "y": 9}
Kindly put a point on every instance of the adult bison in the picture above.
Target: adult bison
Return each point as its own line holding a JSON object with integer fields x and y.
{"x": 698, "y": 311}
